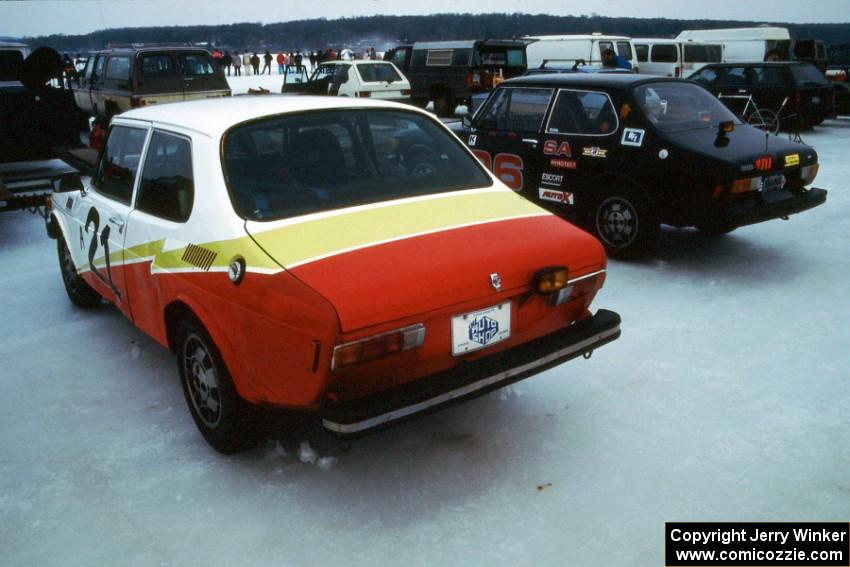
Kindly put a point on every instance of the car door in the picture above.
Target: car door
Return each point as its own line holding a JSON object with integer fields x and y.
{"x": 579, "y": 139}
{"x": 101, "y": 214}
{"x": 95, "y": 86}
{"x": 163, "y": 203}
{"x": 505, "y": 135}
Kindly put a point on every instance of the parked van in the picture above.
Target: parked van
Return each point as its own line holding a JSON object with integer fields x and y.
{"x": 587, "y": 48}
{"x": 674, "y": 58}
{"x": 762, "y": 43}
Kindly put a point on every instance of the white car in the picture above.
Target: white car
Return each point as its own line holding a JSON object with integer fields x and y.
{"x": 340, "y": 256}
{"x": 357, "y": 79}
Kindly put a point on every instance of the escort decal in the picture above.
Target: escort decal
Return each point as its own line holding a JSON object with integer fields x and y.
{"x": 633, "y": 137}
{"x": 594, "y": 152}
{"x": 552, "y": 179}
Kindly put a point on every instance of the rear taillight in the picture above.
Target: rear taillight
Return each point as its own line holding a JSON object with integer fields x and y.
{"x": 808, "y": 173}
{"x": 364, "y": 94}
{"x": 406, "y": 92}
{"x": 764, "y": 163}
{"x": 378, "y": 346}
{"x": 470, "y": 81}
{"x": 678, "y": 72}
{"x": 136, "y": 102}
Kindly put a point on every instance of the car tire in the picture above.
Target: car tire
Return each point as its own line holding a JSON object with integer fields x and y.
{"x": 79, "y": 292}
{"x": 624, "y": 222}
{"x": 226, "y": 421}
{"x": 444, "y": 105}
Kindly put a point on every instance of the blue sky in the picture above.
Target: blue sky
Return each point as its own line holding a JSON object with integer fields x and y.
{"x": 31, "y": 18}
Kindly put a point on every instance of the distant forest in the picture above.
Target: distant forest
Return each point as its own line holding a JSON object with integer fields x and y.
{"x": 385, "y": 31}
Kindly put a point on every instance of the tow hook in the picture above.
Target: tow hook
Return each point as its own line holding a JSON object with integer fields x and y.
{"x": 588, "y": 354}
{"x": 784, "y": 217}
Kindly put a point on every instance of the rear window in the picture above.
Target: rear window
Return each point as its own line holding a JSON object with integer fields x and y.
{"x": 195, "y": 64}
{"x": 292, "y": 165}
{"x": 515, "y": 110}
{"x": 500, "y": 58}
{"x": 675, "y": 107}
{"x": 10, "y": 65}
{"x": 808, "y": 74}
{"x": 157, "y": 66}
{"x": 702, "y": 53}
{"x": 664, "y": 54}
{"x": 377, "y": 72}
{"x": 118, "y": 69}
{"x": 167, "y": 186}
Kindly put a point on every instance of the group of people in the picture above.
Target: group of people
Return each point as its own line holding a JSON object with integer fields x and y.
{"x": 285, "y": 60}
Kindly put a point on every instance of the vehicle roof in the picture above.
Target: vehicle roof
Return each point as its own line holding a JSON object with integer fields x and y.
{"x": 672, "y": 41}
{"x": 468, "y": 43}
{"x": 757, "y": 33}
{"x": 149, "y": 48}
{"x": 760, "y": 64}
{"x": 213, "y": 117}
{"x": 605, "y": 80}
{"x": 577, "y": 37}
{"x": 355, "y": 61}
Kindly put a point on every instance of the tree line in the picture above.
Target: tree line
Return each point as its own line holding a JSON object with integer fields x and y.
{"x": 384, "y": 31}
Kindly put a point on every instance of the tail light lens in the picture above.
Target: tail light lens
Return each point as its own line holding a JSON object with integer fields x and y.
{"x": 364, "y": 94}
{"x": 548, "y": 280}
{"x": 678, "y": 72}
{"x": 745, "y": 185}
{"x": 808, "y": 173}
{"x": 406, "y": 92}
{"x": 378, "y": 346}
{"x": 136, "y": 102}
{"x": 764, "y": 163}
{"x": 470, "y": 80}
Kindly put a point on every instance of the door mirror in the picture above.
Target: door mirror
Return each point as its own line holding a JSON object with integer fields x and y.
{"x": 68, "y": 182}
{"x": 466, "y": 120}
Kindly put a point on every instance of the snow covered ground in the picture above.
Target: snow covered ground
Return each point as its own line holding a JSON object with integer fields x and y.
{"x": 727, "y": 398}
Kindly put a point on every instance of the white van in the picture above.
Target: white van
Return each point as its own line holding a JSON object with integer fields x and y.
{"x": 572, "y": 48}
{"x": 674, "y": 58}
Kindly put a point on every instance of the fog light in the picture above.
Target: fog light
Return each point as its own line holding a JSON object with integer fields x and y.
{"x": 378, "y": 346}
{"x": 548, "y": 280}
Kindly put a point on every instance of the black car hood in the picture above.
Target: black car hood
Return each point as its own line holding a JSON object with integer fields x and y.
{"x": 745, "y": 145}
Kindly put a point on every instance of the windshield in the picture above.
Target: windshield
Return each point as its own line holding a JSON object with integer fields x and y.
{"x": 808, "y": 75}
{"x": 675, "y": 107}
{"x": 292, "y": 165}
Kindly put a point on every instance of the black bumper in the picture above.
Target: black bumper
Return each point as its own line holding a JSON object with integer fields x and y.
{"x": 473, "y": 379}
{"x": 780, "y": 204}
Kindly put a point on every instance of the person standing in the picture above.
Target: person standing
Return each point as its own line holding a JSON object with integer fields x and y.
{"x": 227, "y": 61}
{"x": 298, "y": 59}
{"x": 281, "y": 60}
{"x": 246, "y": 61}
{"x": 255, "y": 63}
{"x": 237, "y": 64}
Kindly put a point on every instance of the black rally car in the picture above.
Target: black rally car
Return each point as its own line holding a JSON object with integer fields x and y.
{"x": 622, "y": 154}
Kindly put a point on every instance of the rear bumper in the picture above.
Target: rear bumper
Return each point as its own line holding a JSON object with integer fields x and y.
{"x": 472, "y": 379}
{"x": 782, "y": 204}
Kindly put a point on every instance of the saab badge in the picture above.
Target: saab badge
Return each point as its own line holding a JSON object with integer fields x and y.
{"x": 496, "y": 281}
{"x": 633, "y": 137}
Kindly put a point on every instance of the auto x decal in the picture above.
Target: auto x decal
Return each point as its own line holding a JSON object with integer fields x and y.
{"x": 594, "y": 151}
{"x": 552, "y": 179}
{"x": 633, "y": 137}
{"x": 792, "y": 160}
{"x": 553, "y": 148}
{"x": 555, "y": 196}
{"x": 563, "y": 163}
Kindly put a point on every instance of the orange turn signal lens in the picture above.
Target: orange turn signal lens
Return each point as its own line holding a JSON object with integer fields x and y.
{"x": 745, "y": 185}
{"x": 548, "y": 280}
{"x": 378, "y": 346}
{"x": 726, "y": 127}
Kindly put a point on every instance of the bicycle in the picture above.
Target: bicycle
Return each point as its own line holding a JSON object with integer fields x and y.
{"x": 761, "y": 118}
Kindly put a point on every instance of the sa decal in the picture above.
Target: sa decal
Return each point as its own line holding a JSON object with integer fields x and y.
{"x": 507, "y": 167}
{"x": 633, "y": 137}
{"x": 594, "y": 151}
{"x": 553, "y": 148}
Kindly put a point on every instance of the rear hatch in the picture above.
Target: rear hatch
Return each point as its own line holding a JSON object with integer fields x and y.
{"x": 201, "y": 77}
{"x": 383, "y": 263}
{"x": 381, "y": 80}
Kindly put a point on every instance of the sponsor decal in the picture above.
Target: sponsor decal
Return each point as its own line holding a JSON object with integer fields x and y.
{"x": 633, "y": 137}
{"x": 473, "y": 139}
{"x": 552, "y": 179}
{"x": 507, "y": 167}
{"x": 792, "y": 160}
{"x": 594, "y": 151}
{"x": 555, "y": 148}
{"x": 483, "y": 329}
{"x": 563, "y": 163}
{"x": 555, "y": 196}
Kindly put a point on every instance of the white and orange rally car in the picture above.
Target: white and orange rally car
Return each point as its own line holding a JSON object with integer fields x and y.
{"x": 350, "y": 258}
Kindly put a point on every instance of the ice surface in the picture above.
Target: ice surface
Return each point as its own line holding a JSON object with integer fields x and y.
{"x": 727, "y": 398}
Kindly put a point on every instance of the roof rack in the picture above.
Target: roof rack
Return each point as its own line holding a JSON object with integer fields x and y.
{"x": 111, "y": 45}
{"x": 576, "y": 62}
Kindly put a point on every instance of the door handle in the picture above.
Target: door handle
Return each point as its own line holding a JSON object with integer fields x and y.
{"x": 531, "y": 141}
{"x": 742, "y": 91}
{"x": 117, "y": 221}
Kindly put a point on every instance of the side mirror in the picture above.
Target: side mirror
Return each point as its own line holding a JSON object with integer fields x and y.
{"x": 68, "y": 182}
{"x": 466, "y": 121}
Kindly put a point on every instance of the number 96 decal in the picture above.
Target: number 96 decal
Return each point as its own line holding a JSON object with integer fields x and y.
{"x": 507, "y": 167}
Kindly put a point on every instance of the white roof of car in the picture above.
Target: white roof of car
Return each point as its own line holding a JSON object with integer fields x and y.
{"x": 214, "y": 116}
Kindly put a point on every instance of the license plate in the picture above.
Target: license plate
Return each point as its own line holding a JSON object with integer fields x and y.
{"x": 479, "y": 329}
{"x": 772, "y": 182}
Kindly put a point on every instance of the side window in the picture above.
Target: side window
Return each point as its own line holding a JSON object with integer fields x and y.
{"x": 99, "y": 68}
{"x": 167, "y": 187}
{"x": 516, "y": 110}
{"x": 768, "y": 75}
{"x": 118, "y": 69}
{"x": 583, "y": 113}
{"x": 664, "y": 53}
{"x": 87, "y": 72}
{"x": 439, "y": 58}
{"x": 624, "y": 49}
{"x": 419, "y": 58}
{"x": 706, "y": 76}
{"x": 399, "y": 56}
{"x": 642, "y": 52}
{"x": 735, "y": 76}
{"x": 461, "y": 57}
{"x": 119, "y": 162}
{"x": 195, "y": 64}
{"x": 605, "y": 46}
{"x": 158, "y": 66}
